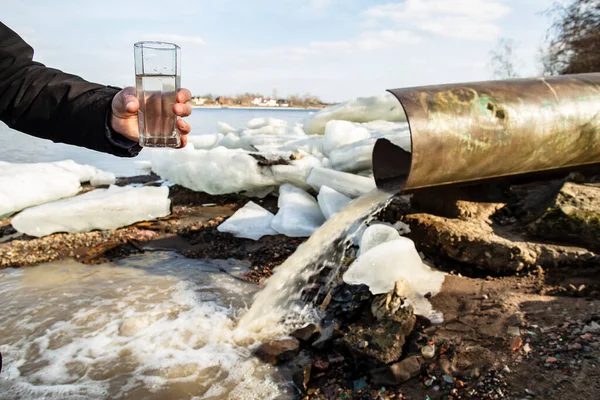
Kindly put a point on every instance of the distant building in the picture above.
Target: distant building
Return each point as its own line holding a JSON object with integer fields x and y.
{"x": 224, "y": 101}
{"x": 198, "y": 101}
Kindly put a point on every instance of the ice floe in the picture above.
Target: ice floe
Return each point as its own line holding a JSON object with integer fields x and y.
{"x": 99, "y": 209}
{"x": 250, "y": 222}
{"x": 299, "y": 213}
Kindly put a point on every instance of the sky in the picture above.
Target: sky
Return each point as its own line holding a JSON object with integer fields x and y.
{"x": 335, "y": 49}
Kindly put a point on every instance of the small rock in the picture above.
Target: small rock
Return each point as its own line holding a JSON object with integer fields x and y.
{"x": 363, "y": 344}
{"x": 429, "y": 382}
{"x": 514, "y": 331}
{"x": 460, "y": 384}
{"x": 527, "y": 348}
{"x": 306, "y": 333}
{"x": 278, "y": 351}
{"x": 506, "y": 369}
{"x": 448, "y": 379}
{"x": 551, "y": 360}
{"x": 335, "y": 358}
{"x": 593, "y": 327}
{"x": 360, "y": 384}
{"x": 321, "y": 365}
{"x": 575, "y": 346}
{"x": 406, "y": 369}
{"x": 530, "y": 392}
{"x": 428, "y": 351}
{"x": 515, "y": 343}
{"x": 302, "y": 377}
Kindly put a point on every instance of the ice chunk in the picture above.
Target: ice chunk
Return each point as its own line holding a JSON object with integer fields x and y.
{"x": 99, "y": 209}
{"x": 250, "y": 222}
{"x": 225, "y": 128}
{"x": 375, "y": 235}
{"x": 299, "y": 214}
{"x": 340, "y": 133}
{"x": 402, "y": 228}
{"x": 363, "y": 109}
{"x": 297, "y": 172}
{"x": 230, "y": 141}
{"x": 331, "y": 201}
{"x": 397, "y": 260}
{"x": 19, "y": 190}
{"x": 345, "y": 183}
{"x": 257, "y": 123}
{"x": 144, "y": 165}
{"x": 83, "y": 171}
{"x": 215, "y": 171}
{"x": 310, "y": 144}
{"x": 387, "y": 127}
{"x": 251, "y": 141}
{"x": 205, "y": 141}
{"x": 353, "y": 157}
{"x": 103, "y": 178}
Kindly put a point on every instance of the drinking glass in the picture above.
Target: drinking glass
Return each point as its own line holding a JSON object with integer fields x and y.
{"x": 157, "y": 80}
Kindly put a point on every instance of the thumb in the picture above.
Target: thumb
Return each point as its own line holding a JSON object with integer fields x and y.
{"x": 126, "y": 103}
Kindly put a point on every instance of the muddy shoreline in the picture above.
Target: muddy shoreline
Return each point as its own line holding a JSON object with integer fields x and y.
{"x": 521, "y": 301}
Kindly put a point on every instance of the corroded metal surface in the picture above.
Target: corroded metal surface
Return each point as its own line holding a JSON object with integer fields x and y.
{"x": 478, "y": 131}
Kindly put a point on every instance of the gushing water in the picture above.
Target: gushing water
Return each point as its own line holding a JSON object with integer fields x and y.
{"x": 280, "y": 299}
{"x": 155, "y": 326}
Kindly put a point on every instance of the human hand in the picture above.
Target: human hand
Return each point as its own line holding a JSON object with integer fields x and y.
{"x": 125, "y": 106}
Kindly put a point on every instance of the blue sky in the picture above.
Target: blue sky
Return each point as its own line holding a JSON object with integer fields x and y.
{"x": 336, "y": 49}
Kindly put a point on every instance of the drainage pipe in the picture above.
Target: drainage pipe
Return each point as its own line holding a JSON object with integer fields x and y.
{"x": 475, "y": 132}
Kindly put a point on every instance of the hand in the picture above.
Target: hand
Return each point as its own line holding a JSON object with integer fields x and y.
{"x": 125, "y": 106}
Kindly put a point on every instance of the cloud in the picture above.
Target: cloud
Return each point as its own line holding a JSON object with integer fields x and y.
{"x": 461, "y": 19}
{"x": 318, "y": 7}
{"x": 369, "y": 41}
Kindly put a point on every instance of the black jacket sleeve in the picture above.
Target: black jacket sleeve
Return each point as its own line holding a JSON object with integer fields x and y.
{"x": 51, "y": 104}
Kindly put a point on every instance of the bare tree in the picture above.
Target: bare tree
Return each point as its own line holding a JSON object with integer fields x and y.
{"x": 503, "y": 61}
{"x": 573, "y": 40}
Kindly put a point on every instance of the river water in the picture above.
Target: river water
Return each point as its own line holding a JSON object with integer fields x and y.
{"x": 18, "y": 147}
{"x": 155, "y": 326}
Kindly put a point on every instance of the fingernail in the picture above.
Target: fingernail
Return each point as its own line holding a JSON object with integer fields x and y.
{"x": 130, "y": 104}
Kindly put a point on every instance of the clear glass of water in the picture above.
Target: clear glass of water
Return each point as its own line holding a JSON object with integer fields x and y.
{"x": 157, "y": 80}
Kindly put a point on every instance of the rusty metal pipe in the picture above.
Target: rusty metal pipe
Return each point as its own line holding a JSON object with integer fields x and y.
{"x": 474, "y": 132}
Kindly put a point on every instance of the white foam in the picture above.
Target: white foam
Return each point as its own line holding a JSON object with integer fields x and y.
{"x": 251, "y": 222}
{"x": 397, "y": 260}
{"x": 61, "y": 333}
{"x": 99, "y": 209}
{"x": 363, "y": 109}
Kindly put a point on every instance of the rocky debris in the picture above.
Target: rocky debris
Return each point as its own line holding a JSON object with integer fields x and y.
{"x": 504, "y": 230}
{"x": 306, "y": 333}
{"x": 301, "y": 377}
{"x": 278, "y": 351}
{"x": 381, "y": 338}
{"x": 573, "y": 216}
{"x": 405, "y": 369}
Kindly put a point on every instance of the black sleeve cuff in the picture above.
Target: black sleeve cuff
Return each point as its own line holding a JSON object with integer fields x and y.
{"x": 122, "y": 146}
